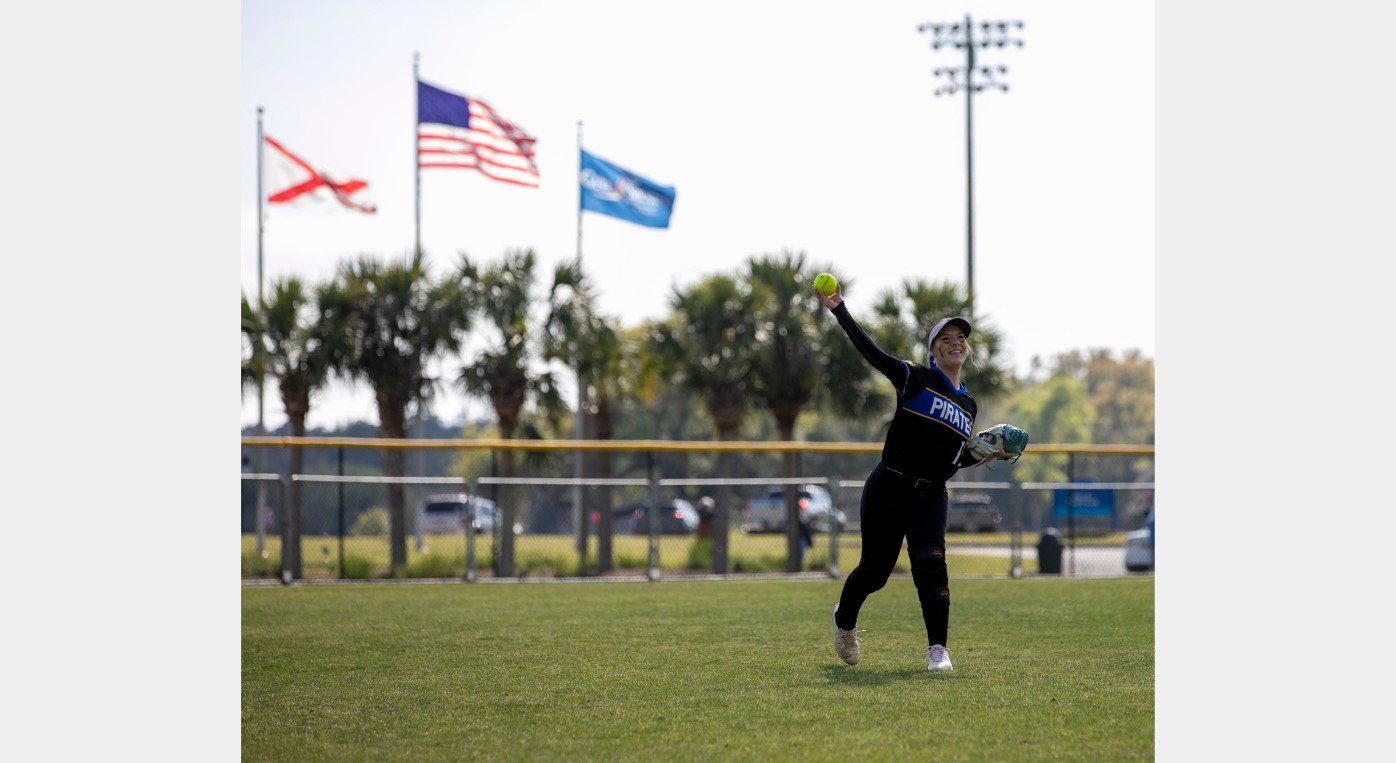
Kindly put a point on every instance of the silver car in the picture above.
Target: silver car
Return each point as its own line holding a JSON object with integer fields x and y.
{"x": 1139, "y": 548}
{"x": 971, "y": 512}
{"x": 767, "y": 513}
{"x": 447, "y": 514}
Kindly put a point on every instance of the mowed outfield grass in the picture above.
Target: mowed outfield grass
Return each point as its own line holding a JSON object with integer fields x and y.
{"x": 699, "y": 670}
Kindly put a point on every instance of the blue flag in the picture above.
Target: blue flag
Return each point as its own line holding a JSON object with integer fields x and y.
{"x": 617, "y": 192}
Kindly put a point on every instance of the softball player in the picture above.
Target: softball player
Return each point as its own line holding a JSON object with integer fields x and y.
{"x": 930, "y": 438}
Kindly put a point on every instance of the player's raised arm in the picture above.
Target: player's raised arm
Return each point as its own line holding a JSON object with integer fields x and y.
{"x": 893, "y": 368}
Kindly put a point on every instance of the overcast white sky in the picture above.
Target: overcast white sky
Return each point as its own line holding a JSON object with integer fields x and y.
{"x": 781, "y": 124}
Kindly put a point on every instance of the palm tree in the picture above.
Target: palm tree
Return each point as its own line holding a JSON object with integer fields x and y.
{"x": 253, "y": 347}
{"x": 904, "y": 319}
{"x": 610, "y": 381}
{"x": 303, "y": 337}
{"x": 565, "y": 338}
{"x": 707, "y": 344}
{"x": 851, "y": 389}
{"x": 787, "y": 360}
{"x": 576, "y": 333}
{"x": 788, "y": 373}
{"x": 651, "y": 407}
{"x": 502, "y": 372}
{"x": 403, "y": 320}
{"x": 253, "y": 372}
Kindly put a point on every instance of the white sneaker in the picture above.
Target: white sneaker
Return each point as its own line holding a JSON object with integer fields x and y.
{"x": 937, "y": 658}
{"x": 846, "y": 642}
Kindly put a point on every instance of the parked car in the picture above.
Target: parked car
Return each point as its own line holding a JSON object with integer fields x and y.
{"x": 622, "y": 520}
{"x": 447, "y": 513}
{"x": 545, "y": 517}
{"x": 971, "y": 513}
{"x": 559, "y": 518}
{"x": 1139, "y": 547}
{"x": 676, "y": 517}
{"x": 767, "y": 513}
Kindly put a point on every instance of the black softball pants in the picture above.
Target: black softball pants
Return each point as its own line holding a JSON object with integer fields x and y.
{"x": 894, "y": 508}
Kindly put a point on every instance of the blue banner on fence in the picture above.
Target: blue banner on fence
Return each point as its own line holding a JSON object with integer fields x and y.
{"x": 1084, "y": 505}
{"x": 617, "y": 192}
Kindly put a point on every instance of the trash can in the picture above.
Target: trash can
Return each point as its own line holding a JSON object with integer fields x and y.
{"x": 1049, "y": 552}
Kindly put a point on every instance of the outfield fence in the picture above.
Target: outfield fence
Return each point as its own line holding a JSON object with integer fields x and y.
{"x": 362, "y": 537}
{"x": 746, "y": 547}
{"x": 658, "y": 520}
{"x": 263, "y": 522}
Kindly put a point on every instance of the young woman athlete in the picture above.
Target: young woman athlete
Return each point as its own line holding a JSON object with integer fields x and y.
{"x": 931, "y": 437}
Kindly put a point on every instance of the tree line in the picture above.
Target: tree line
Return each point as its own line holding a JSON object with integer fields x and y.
{"x": 746, "y": 353}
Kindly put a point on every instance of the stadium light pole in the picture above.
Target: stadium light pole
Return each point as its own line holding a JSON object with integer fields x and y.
{"x": 971, "y": 78}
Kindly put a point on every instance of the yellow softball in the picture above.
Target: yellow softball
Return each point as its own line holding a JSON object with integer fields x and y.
{"x": 826, "y": 284}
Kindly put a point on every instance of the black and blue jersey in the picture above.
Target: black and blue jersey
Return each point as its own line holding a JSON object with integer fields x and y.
{"x": 934, "y": 418}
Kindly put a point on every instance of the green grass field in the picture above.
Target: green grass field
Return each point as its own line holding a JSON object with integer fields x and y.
{"x": 700, "y": 670}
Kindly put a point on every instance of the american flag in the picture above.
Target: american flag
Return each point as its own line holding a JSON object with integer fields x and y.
{"x": 467, "y": 133}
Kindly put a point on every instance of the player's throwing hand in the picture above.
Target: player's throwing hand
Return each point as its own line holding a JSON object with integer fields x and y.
{"x": 830, "y": 301}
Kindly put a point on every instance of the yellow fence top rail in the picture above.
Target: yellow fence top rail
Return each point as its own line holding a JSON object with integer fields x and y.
{"x": 656, "y": 446}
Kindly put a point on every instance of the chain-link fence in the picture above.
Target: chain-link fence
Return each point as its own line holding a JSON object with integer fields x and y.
{"x": 367, "y": 527}
{"x": 348, "y": 523}
{"x": 983, "y": 534}
{"x": 743, "y": 525}
{"x": 566, "y": 527}
{"x": 262, "y": 526}
{"x": 1087, "y": 529}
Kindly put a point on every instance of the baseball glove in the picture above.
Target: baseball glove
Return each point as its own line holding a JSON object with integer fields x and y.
{"x": 1003, "y": 441}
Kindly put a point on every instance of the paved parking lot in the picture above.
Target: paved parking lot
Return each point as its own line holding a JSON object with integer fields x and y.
{"x": 1088, "y": 561}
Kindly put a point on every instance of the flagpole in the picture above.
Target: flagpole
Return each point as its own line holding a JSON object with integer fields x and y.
{"x": 416, "y": 150}
{"x": 261, "y": 381}
{"x": 579, "y": 192}
{"x": 420, "y": 423}
{"x": 260, "y": 193}
{"x": 578, "y": 424}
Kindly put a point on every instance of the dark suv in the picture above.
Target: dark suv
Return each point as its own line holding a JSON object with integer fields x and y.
{"x": 676, "y": 517}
